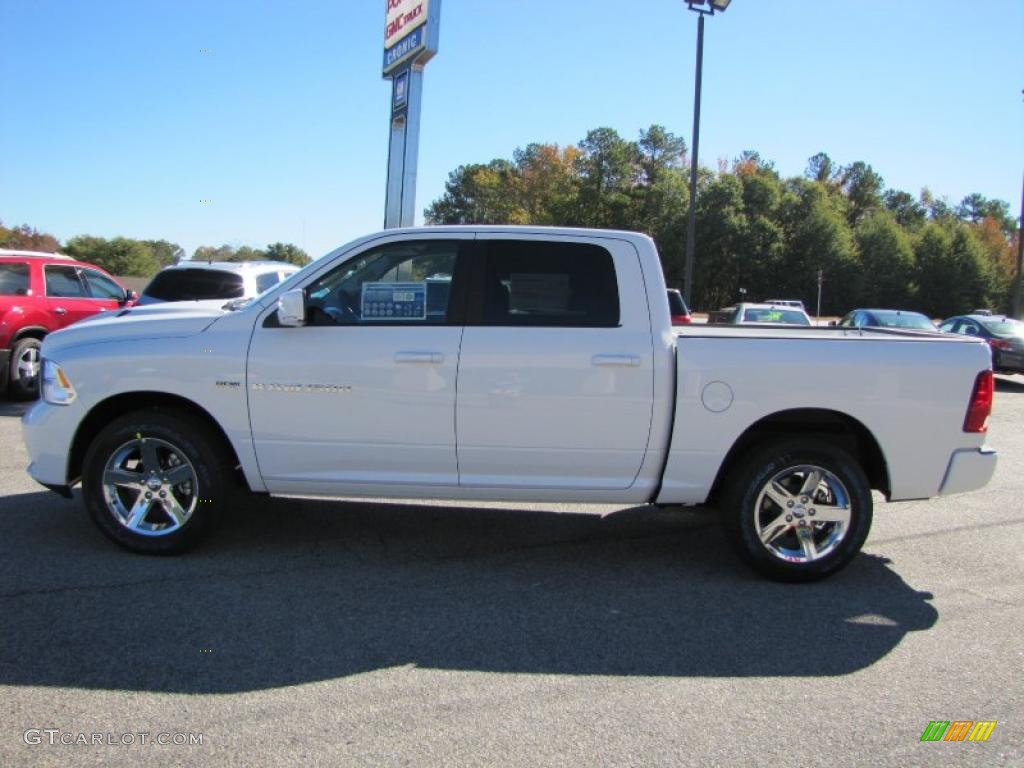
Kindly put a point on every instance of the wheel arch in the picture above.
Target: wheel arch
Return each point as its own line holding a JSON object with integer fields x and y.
{"x": 29, "y": 331}
{"x": 839, "y": 428}
{"x": 107, "y": 410}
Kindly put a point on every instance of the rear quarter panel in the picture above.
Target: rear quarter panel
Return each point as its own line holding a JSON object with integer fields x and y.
{"x": 911, "y": 393}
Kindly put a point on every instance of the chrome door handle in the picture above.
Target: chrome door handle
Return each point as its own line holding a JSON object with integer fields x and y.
{"x": 623, "y": 361}
{"x": 423, "y": 358}
{"x": 60, "y": 311}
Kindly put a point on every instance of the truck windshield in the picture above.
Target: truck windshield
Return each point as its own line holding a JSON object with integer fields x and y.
{"x": 775, "y": 315}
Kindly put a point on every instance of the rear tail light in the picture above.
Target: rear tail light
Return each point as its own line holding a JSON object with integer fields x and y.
{"x": 681, "y": 320}
{"x": 981, "y": 404}
{"x": 1006, "y": 346}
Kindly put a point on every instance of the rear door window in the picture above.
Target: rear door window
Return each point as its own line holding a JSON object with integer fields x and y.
{"x": 537, "y": 283}
{"x": 13, "y": 279}
{"x": 64, "y": 282}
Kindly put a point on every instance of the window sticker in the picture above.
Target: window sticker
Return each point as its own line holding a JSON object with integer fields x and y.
{"x": 394, "y": 301}
{"x": 541, "y": 293}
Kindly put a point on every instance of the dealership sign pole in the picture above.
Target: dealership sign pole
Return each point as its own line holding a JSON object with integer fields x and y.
{"x": 410, "y": 41}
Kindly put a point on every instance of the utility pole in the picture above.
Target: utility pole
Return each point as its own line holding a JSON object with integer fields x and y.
{"x": 1020, "y": 259}
{"x": 691, "y": 228}
{"x": 1019, "y": 288}
{"x": 821, "y": 279}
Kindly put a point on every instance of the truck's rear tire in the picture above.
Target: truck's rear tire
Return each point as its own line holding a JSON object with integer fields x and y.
{"x": 797, "y": 509}
{"x": 155, "y": 480}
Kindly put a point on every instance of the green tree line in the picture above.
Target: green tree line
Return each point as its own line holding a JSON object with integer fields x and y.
{"x": 758, "y": 234}
{"x": 140, "y": 258}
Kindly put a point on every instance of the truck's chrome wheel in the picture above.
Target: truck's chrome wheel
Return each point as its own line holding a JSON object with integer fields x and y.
{"x": 150, "y": 486}
{"x": 153, "y": 479}
{"x": 797, "y": 508}
{"x": 802, "y": 513}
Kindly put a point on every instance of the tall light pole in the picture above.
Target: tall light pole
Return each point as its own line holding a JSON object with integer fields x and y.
{"x": 1019, "y": 288}
{"x": 704, "y": 8}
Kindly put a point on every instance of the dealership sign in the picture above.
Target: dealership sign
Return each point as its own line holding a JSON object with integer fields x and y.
{"x": 401, "y": 18}
{"x": 411, "y": 32}
{"x": 406, "y": 32}
{"x": 405, "y": 48}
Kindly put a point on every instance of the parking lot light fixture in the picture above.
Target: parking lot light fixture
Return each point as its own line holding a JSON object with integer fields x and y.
{"x": 713, "y": 5}
{"x": 704, "y": 8}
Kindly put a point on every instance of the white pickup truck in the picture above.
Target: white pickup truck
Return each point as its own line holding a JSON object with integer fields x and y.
{"x": 505, "y": 363}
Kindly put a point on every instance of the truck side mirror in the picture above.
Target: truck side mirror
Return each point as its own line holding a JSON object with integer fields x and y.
{"x": 291, "y": 308}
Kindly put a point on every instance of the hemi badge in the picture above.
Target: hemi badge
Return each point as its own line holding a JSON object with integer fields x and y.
{"x": 328, "y": 389}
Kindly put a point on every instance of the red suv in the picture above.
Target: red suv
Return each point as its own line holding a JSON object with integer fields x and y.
{"x": 39, "y": 293}
{"x": 677, "y": 308}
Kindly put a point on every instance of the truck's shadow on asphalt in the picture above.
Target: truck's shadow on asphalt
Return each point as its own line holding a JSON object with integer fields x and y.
{"x": 1015, "y": 385}
{"x": 292, "y": 592}
{"x": 14, "y": 408}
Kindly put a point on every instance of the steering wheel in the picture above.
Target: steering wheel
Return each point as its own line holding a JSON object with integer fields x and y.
{"x": 342, "y": 309}
{"x": 336, "y": 309}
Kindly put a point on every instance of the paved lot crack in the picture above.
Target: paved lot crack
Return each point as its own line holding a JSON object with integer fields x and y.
{"x": 946, "y": 531}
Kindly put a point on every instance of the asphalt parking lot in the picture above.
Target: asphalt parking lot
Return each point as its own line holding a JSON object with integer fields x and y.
{"x": 315, "y": 633}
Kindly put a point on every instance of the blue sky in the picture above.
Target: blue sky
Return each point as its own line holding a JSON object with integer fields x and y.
{"x": 119, "y": 123}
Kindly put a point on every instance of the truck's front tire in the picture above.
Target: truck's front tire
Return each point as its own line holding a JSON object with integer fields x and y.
{"x": 154, "y": 480}
{"x": 797, "y": 509}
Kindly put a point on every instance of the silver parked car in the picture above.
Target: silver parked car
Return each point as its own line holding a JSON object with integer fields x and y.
{"x": 786, "y": 303}
{"x": 747, "y": 314}
{"x": 887, "y": 318}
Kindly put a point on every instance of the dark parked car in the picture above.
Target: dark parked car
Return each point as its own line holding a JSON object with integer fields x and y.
{"x": 1004, "y": 335}
{"x": 677, "y": 308}
{"x": 887, "y": 318}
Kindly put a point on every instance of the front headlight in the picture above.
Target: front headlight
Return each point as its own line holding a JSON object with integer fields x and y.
{"x": 57, "y": 389}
